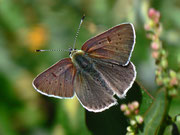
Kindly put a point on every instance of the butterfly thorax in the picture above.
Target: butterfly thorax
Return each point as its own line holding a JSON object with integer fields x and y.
{"x": 75, "y": 52}
{"x": 81, "y": 60}
{"x": 85, "y": 65}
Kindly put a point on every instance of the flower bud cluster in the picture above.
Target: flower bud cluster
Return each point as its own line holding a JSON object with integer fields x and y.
{"x": 131, "y": 110}
{"x": 165, "y": 77}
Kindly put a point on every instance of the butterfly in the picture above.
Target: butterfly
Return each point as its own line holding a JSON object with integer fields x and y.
{"x": 97, "y": 72}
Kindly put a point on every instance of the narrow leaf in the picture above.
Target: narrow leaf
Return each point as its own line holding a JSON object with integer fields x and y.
{"x": 154, "y": 116}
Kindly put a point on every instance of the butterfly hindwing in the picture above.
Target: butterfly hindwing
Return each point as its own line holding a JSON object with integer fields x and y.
{"x": 92, "y": 94}
{"x": 114, "y": 46}
{"x": 120, "y": 78}
{"x": 57, "y": 81}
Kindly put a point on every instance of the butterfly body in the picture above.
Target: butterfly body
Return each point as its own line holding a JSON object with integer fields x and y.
{"x": 95, "y": 73}
{"x": 85, "y": 65}
{"x": 81, "y": 61}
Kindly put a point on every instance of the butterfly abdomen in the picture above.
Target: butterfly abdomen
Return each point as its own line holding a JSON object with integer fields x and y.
{"x": 85, "y": 65}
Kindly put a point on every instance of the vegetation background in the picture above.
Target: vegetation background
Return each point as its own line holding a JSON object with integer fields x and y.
{"x": 27, "y": 25}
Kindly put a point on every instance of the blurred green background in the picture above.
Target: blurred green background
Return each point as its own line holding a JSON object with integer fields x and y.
{"x": 27, "y": 25}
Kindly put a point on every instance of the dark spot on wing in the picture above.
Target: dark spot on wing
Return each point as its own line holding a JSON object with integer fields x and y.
{"x": 54, "y": 74}
{"x": 109, "y": 40}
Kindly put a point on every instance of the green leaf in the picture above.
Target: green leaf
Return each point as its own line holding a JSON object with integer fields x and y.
{"x": 113, "y": 121}
{"x": 146, "y": 101}
{"x": 154, "y": 116}
{"x": 168, "y": 130}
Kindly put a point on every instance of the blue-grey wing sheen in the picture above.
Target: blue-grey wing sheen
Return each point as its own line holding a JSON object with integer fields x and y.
{"x": 92, "y": 93}
{"x": 97, "y": 81}
{"x": 119, "y": 78}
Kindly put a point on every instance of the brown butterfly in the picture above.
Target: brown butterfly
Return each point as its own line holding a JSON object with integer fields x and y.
{"x": 95, "y": 73}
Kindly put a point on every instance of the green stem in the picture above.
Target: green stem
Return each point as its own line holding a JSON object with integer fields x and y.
{"x": 165, "y": 122}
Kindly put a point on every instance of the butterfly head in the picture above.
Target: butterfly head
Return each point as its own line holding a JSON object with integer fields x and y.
{"x": 74, "y": 52}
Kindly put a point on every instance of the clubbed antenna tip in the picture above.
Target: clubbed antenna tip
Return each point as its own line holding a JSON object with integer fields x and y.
{"x": 78, "y": 30}
{"x": 37, "y": 50}
{"x": 83, "y": 17}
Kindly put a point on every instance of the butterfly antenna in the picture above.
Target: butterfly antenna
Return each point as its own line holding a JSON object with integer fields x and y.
{"x": 78, "y": 30}
{"x": 51, "y": 50}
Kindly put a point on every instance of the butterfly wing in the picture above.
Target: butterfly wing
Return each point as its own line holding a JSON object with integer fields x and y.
{"x": 57, "y": 81}
{"x": 119, "y": 78}
{"x": 113, "y": 46}
{"x": 91, "y": 94}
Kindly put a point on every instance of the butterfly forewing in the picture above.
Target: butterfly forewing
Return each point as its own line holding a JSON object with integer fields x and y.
{"x": 57, "y": 81}
{"x": 92, "y": 94}
{"x": 120, "y": 78}
{"x": 112, "y": 46}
